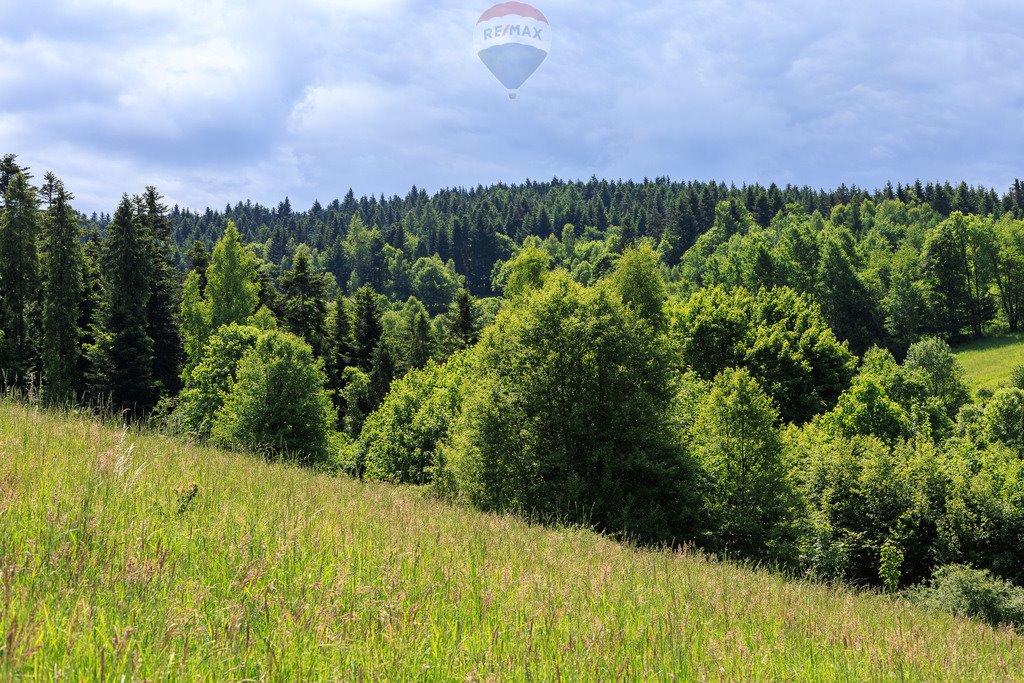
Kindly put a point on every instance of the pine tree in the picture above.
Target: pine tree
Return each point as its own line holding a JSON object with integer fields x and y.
{"x": 19, "y": 266}
{"x": 367, "y": 327}
{"x": 165, "y": 302}
{"x": 62, "y": 298}
{"x": 305, "y": 305}
{"x": 122, "y": 358}
{"x": 463, "y": 321}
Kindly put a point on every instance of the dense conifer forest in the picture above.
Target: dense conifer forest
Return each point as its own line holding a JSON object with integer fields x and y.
{"x": 763, "y": 373}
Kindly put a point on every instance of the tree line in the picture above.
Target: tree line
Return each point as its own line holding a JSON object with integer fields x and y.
{"x": 762, "y": 372}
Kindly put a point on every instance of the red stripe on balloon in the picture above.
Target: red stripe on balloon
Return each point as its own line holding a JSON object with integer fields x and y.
{"x": 509, "y": 8}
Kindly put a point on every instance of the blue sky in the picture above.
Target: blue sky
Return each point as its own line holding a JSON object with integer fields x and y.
{"x": 216, "y": 101}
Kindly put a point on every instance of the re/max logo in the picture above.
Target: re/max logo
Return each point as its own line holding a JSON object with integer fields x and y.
{"x": 512, "y": 30}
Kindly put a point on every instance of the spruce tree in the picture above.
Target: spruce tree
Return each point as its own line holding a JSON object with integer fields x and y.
{"x": 198, "y": 260}
{"x": 305, "y": 305}
{"x": 463, "y": 321}
{"x": 19, "y": 274}
{"x": 421, "y": 340}
{"x": 165, "y": 302}
{"x": 367, "y": 327}
{"x": 62, "y": 298}
{"x": 122, "y": 367}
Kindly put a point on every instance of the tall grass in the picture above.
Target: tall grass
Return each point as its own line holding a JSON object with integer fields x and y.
{"x": 130, "y": 554}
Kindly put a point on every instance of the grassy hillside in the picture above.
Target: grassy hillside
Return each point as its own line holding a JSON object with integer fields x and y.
{"x": 113, "y": 563}
{"x": 990, "y": 361}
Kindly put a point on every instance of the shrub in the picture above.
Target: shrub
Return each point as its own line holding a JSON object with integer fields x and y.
{"x": 1017, "y": 377}
{"x": 973, "y": 593}
{"x": 400, "y": 439}
{"x": 1004, "y": 418}
{"x": 278, "y": 403}
{"x": 209, "y": 381}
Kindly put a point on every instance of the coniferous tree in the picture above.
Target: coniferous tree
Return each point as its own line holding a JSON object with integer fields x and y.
{"x": 19, "y": 266}
{"x": 89, "y": 305}
{"x": 421, "y": 340}
{"x": 165, "y": 301}
{"x": 305, "y": 305}
{"x": 62, "y": 298}
{"x": 367, "y": 327}
{"x": 198, "y": 260}
{"x": 122, "y": 356}
{"x": 463, "y": 321}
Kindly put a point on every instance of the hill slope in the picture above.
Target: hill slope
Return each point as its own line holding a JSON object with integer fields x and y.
{"x": 989, "y": 362}
{"x": 112, "y": 563}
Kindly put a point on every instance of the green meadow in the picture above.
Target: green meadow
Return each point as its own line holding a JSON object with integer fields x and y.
{"x": 124, "y": 553}
{"x": 990, "y": 361}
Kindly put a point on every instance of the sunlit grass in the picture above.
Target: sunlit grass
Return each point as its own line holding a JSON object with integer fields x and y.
{"x": 112, "y": 563}
{"x": 990, "y": 361}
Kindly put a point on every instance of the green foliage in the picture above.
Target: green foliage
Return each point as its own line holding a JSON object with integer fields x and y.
{"x": 1004, "y": 418}
{"x": 19, "y": 273}
{"x": 749, "y": 497}
{"x": 568, "y": 415}
{"x": 867, "y": 410}
{"x": 62, "y": 296}
{"x": 278, "y": 403}
{"x": 637, "y": 279}
{"x": 890, "y": 565}
{"x": 230, "y": 295}
{"x": 958, "y": 271}
{"x": 164, "y": 305}
{"x": 367, "y": 327}
{"x": 944, "y": 377}
{"x": 435, "y": 283}
{"x": 778, "y": 335}
{"x": 209, "y": 382}
{"x": 524, "y": 273}
{"x": 400, "y": 439}
{"x": 1017, "y": 377}
{"x": 231, "y": 290}
{"x": 122, "y": 357}
{"x": 463, "y": 321}
{"x": 974, "y": 593}
{"x": 305, "y": 302}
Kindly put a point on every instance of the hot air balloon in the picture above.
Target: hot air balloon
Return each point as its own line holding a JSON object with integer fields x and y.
{"x": 512, "y": 40}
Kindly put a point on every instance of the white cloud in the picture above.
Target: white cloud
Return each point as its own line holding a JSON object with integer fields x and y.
{"x": 222, "y": 100}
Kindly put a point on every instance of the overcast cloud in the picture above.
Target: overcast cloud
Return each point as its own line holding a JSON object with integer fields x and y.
{"x": 223, "y": 100}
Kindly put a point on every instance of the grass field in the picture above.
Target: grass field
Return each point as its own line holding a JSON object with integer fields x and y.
{"x": 112, "y": 563}
{"x": 990, "y": 361}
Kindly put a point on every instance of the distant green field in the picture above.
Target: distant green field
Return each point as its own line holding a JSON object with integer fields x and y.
{"x": 989, "y": 362}
{"x": 131, "y": 556}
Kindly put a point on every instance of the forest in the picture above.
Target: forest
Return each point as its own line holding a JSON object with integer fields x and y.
{"x": 766, "y": 374}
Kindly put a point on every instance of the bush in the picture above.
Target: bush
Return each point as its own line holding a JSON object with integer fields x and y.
{"x": 568, "y": 415}
{"x": 278, "y": 403}
{"x": 209, "y": 381}
{"x": 400, "y": 439}
{"x": 1017, "y": 377}
{"x": 1004, "y": 418}
{"x": 973, "y": 593}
